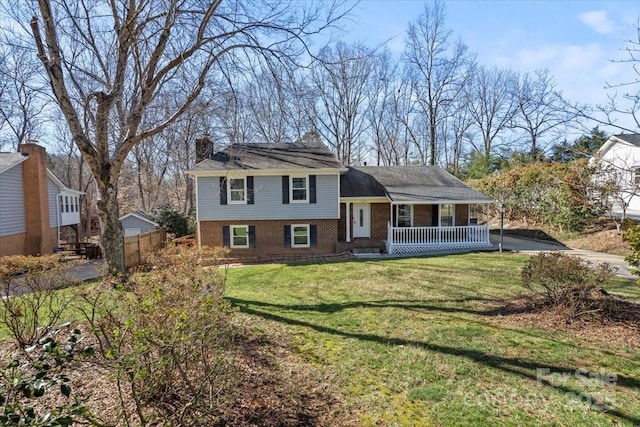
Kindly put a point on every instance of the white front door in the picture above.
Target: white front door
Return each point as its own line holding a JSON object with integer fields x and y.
{"x": 361, "y": 220}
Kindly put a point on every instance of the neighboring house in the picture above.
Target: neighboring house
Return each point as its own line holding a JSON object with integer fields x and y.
{"x": 619, "y": 162}
{"x": 288, "y": 199}
{"x": 34, "y": 205}
{"x": 137, "y": 222}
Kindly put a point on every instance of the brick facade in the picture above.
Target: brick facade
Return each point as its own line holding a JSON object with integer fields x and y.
{"x": 380, "y": 217}
{"x": 270, "y": 237}
{"x": 12, "y": 244}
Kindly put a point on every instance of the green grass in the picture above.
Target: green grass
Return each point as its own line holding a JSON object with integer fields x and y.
{"x": 409, "y": 342}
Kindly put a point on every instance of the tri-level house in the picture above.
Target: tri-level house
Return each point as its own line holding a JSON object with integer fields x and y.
{"x": 297, "y": 198}
{"x": 35, "y": 206}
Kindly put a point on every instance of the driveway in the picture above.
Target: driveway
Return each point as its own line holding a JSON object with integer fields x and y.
{"x": 520, "y": 244}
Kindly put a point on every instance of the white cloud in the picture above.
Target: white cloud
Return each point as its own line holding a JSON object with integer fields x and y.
{"x": 598, "y": 21}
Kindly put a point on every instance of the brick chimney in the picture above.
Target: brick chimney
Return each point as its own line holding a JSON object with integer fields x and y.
{"x": 204, "y": 148}
{"x": 36, "y": 199}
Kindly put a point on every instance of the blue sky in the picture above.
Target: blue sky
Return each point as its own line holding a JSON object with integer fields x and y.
{"x": 575, "y": 40}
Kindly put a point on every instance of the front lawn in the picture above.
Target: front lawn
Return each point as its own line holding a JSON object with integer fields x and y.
{"x": 419, "y": 341}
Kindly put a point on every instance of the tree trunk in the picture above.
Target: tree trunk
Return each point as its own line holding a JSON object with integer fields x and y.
{"x": 111, "y": 238}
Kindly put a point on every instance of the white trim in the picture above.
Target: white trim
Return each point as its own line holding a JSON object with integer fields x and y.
{"x": 453, "y": 215}
{"x": 293, "y": 227}
{"x": 412, "y": 211}
{"x": 347, "y": 221}
{"x": 231, "y": 242}
{"x": 306, "y": 181}
{"x": 155, "y": 224}
{"x": 230, "y": 200}
{"x": 378, "y": 199}
{"x": 17, "y": 162}
{"x": 265, "y": 172}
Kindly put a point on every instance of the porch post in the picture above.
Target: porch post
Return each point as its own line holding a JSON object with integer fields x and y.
{"x": 348, "y": 221}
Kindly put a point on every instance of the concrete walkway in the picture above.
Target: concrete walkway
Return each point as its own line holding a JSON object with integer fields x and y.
{"x": 532, "y": 246}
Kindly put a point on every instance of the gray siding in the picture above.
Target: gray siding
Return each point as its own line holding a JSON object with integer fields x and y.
{"x": 268, "y": 201}
{"x": 53, "y": 191}
{"x": 12, "y": 214}
{"x": 133, "y": 222}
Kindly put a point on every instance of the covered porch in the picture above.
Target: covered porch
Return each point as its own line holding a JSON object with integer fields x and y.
{"x": 412, "y": 209}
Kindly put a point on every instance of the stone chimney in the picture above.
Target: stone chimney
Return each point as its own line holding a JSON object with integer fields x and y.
{"x": 36, "y": 200}
{"x": 204, "y": 148}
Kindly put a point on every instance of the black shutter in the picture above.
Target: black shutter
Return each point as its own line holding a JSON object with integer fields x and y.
{"x": 252, "y": 236}
{"x": 223, "y": 190}
{"x": 312, "y": 188}
{"x": 285, "y": 189}
{"x": 435, "y": 215}
{"x": 249, "y": 190}
{"x": 313, "y": 235}
{"x": 287, "y": 236}
{"x": 226, "y": 236}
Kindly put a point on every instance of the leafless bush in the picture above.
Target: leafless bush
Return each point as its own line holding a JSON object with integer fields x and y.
{"x": 168, "y": 340}
{"x": 569, "y": 283}
{"x": 32, "y": 303}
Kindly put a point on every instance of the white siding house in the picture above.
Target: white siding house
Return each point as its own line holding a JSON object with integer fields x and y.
{"x": 619, "y": 163}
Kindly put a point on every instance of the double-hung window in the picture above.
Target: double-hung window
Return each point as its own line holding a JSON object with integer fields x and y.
{"x": 299, "y": 186}
{"x": 446, "y": 215}
{"x": 239, "y": 236}
{"x": 300, "y": 236}
{"x": 237, "y": 190}
{"x": 404, "y": 217}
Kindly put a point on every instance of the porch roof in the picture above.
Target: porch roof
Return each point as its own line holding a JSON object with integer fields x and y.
{"x": 408, "y": 184}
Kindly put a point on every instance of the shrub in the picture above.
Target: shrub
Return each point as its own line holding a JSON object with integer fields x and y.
{"x": 631, "y": 235}
{"x": 168, "y": 339}
{"x": 558, "y": 195}
{"x": 567, "y": 282}
{"x": 32, "y": 304}
{"x": 39, "y": 370}
{"x": 176, "y": 222}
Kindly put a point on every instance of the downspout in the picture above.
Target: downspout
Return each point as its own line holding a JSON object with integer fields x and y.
{"x": 198, "y": 235}
{"x": 58, "y": 218}
{"x": 348, "y": 221}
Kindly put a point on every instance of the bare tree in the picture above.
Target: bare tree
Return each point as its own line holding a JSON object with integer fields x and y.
{"x": 439, "y": 70}
{"x": 109, "y": 62}
{"x": 491, "y": 104}
{"x": 540, "y": 108}
{"x": 22, "y": 103}
{"x": 339, "y": 81}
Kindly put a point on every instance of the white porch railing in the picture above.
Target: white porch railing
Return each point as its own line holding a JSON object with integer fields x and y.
{"x": 420, "y": 239}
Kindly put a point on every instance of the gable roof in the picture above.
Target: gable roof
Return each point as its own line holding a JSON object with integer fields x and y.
{"x": 141, "y": 215}
{"x": 631, "y": 138}
{"x": 628, "y": 138}
{"x": 9, "y": 160}
{"x": 274, "y": 156}
{"x": 408, "y": 184}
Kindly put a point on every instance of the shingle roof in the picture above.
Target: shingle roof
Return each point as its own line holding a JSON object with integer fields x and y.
{"x": 307, "y": 155}
{"x": 631, "y": 138}
{"x": 407, "y": 184}
{"x": 8, "y": 160}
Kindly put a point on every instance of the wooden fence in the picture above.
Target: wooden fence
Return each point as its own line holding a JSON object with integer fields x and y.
{"x": 137, "y": 247}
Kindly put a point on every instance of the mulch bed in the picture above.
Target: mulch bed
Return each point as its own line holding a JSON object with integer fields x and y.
{"x": 274, "y": 387}
{"x": 620, "y": 324}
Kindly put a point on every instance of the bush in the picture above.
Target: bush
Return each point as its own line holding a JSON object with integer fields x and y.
{"x": 176, "y": 222}
{"x": 32, "y": 304}
{"x": 632, "y": 236}
{"x": 558, "y": 195}
{"x": 168, "y": 340}
{"x": 567, "y": 282}
{"x": 39, "y": 370}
